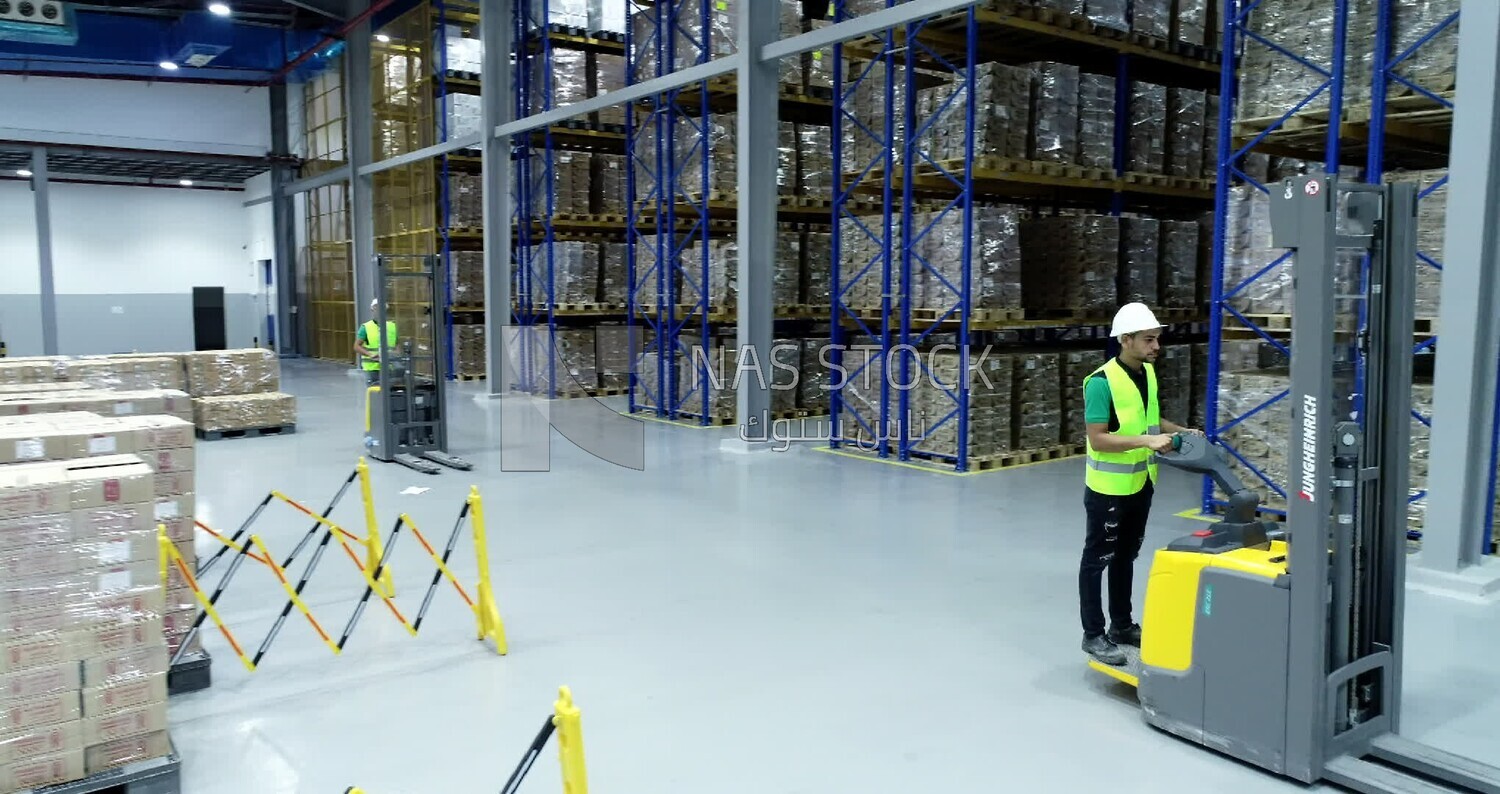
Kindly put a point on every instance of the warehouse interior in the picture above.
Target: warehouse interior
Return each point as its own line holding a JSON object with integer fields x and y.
{"x": 871, "y": 248}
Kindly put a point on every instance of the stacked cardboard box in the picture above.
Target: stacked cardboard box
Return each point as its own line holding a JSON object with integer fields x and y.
{"x": 125, "y": 374}
{"x": 991, "y": 421}
{"x": 465, "y": 200}
{"x": 471, "y": 351}
{"x": 1434, "y": 64}
{"x": 817, "y": 268}
{"x": 83, "y": 672}
{"x": 1109, "y": 13}
{"x": 237, "y": 390}
{"x": 1140, "y": 259}
{"x": 1071, "y": 262}
{"x": 1174, "y": 378}
{"x": 814, "y": 375}
{"x": 1076, "y": 365}
{"x": 1096, "y": 121}
{"x": 106, "y": 403}
{"x": 244, "y": 411}
{"x": 614, "y": 286}
{"x": 1179, "y": 264}
{"x": 1146, "y": 148}
{"x": 1054, "y": 113}
{"x": 468, "y": 278}
{"x": 1151, "y": 18}
{"x": 1036, "y": 407}
{"x": 1186, "y": 111}
{"x": 994, "y": 261}
{"x": 28, "y": 370}
{"x": 1190, "y": 22}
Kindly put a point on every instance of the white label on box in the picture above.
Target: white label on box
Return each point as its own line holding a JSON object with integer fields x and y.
{"x": 115, "y": 552}
{"x": 114, "y": 581}
{"x": 102, "y": 445}
{"x": 1031, "y": 365}
{"x": 124, "y": 408}
{"x": 31, "y": 449}
{"x": 167, "y": 510}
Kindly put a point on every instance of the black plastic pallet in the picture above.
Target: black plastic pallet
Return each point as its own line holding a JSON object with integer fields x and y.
{"x": 153, "y": 776}
{"x": 250, "y": 432}
{"x": 192, "y": 674}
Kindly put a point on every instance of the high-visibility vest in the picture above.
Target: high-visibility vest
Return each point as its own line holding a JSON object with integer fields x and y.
{"x": 1125, "y": 473}
{"x": 372, "y": 333}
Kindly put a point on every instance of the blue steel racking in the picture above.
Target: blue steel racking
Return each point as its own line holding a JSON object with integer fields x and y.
{"x": 955, "y": 44}
{"x": 676, "y": 215}
{"x": 537, "y": 226}
{"x": 1380, "y": 152}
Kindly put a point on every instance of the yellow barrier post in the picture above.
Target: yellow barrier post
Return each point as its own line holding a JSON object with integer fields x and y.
{"x": 169, "y": 549}
{"x": 569, "y": 723}
{"x": 490, "y": 624}
{"x": 387, "y": 586}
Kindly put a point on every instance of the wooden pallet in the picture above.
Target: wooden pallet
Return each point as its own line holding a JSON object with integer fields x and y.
{"x": 248, "y": 432}
{"x": 161, "y": 775}
{"x": 469, "y": 376}
{"x": 1003, "y": 460}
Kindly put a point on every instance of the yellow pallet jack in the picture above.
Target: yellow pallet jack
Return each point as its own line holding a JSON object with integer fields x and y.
{"x": 1283, "y": 646}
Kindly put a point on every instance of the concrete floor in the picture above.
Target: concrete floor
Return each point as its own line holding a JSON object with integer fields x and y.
{"x": 829, "y": 625}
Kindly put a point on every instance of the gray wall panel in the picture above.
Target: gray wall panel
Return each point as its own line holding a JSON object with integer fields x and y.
{"x": 148, "y": 323}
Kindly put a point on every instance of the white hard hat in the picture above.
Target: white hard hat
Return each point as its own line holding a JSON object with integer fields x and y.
{"x": 373, "y": 303}
{"x": 1133, "y": 317}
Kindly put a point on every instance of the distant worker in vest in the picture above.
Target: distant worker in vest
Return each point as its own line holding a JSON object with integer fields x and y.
{"x": 367, "y": 343}
{"x": 1125, "y": 432}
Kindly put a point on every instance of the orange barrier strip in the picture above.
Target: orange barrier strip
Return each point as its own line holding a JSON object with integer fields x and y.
{"x": 376, "y": 588}
{"x": 231, "y": 544}
{"x": 439, "y": 561}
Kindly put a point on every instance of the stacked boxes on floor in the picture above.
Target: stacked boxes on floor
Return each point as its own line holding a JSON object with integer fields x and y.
{"x": 238, "y": 390}
{"x": 84, "y": 663}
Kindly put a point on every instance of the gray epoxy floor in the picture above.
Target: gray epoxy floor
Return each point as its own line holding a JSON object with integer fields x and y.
{"x": 827, "y": 625}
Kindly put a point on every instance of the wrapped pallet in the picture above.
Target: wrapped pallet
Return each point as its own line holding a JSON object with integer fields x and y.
{"x": 235, "y": 412}
{"x": 1096, "y": 121}
{"x": 1140, "y": 252}
{"x": 1186, "y": 111}
{"x": 1036, "y": 414}
{"x": 1054, "y": 113}
{"x": 1146, "y": 145}
{"x": 934, "y": 417}
{"x": 221, "y": 372}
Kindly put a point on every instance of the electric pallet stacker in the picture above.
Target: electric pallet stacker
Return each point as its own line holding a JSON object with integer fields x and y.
{"x": 406, "y": 414}
{"x": 1282, "y": 645}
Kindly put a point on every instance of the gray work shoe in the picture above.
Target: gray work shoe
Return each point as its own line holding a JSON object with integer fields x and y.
{"x": 1130, "y": 635}
{"x": 1105, "y": 651}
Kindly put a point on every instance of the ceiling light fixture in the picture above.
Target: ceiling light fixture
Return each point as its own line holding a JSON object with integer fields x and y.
{"x": 23, "y": 172}
{"x": 382, "y": 38}
{"x": 219, "y": 9}
{"x": 185, "y": 182}
{"x": 168, "y": 65}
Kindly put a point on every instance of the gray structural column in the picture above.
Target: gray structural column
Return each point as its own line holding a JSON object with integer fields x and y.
{"x": 40, "y": 190}
{"x": 758, "y": 161}
{"x": 1464, "y": 396}
{"x": 289, "y": 327}
{"x": 496, "y": 19}
{"x": 359, "y": 126}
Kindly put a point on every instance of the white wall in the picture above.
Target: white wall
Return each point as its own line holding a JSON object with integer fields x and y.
{"x": 125, "y": 261}
{"x": 167, "y": 116}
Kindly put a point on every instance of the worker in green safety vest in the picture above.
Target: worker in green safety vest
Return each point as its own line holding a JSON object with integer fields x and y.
{"x": 1126, "y": 431}
{"x": 367, "y": 343}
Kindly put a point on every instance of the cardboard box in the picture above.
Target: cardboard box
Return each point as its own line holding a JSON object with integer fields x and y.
{"x": 127, "y": 694}
{"x": 20, "y": 715}
{"x": 55, "y": 560}
{"x": 39, "y": 681}
{"x": 173, "y": 483}
{"x": 23, "y": 596}
{"x": 36, "y": 530}
{"x": 126, "y": 722}
{"x": 122, "y": 576}
{"x": 98, "y": 641}
{"x": 107, "y": 481}
{"x": 31, "y": 490}
{"x": 179, "y": 599}
{"x": 137, "y": 545}
{"x": 121, "y": 520}
{"x": 130, "y": 606}
{"x": 45, "y": 650}
{"x": 46, "y": 620}
{"x": 44, "y": 771}
{"x": 161, "y": 432}
{"x": 169, "y": 460}
{"x": 100, "y": 757}
{"x": 41, "y": 741}
{"x": 107, "y": 669}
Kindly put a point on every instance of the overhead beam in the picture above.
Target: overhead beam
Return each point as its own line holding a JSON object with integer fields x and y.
{"x": 470, "y": 141}
{"x": 319, "y": 9}
{"x": 334, "y": 177}
{"x": 863, "y": 25}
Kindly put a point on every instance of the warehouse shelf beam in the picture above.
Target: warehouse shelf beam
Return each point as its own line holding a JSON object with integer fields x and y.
{"x": 334, "y": 177}
{"x": 1462, "y": 460}
{"x": 471, "y": 141}
{"x": 41, "y": 192}
{"x": 875, "y": 22}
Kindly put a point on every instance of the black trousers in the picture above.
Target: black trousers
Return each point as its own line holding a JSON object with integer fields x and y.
{"x": 1116, "y": 528}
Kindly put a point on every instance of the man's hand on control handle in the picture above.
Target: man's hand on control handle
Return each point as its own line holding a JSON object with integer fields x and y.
{"x": 1159, "y": 444}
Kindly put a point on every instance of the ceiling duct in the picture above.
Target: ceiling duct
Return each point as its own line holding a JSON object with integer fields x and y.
{"x": 38, "y": 22}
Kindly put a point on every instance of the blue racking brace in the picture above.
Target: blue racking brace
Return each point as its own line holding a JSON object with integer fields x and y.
{"x": 678, "y": 132}
{"x": 1386, "y": 74}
